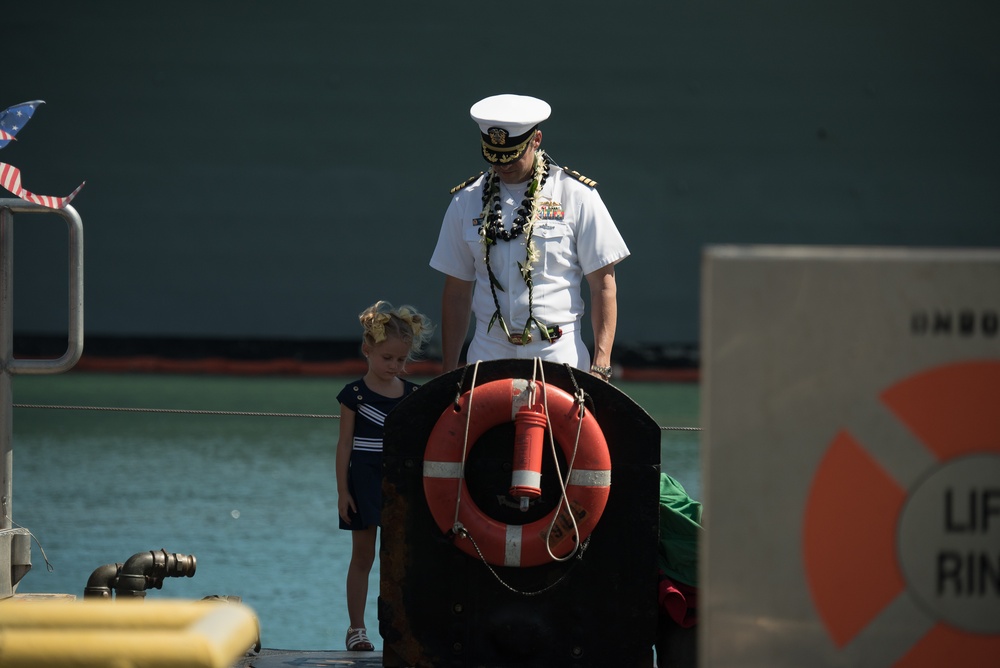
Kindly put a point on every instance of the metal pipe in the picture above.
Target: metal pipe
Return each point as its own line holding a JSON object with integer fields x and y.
{"x": 142, "y": 571}
{"x": 146, "y": 570}
{"x": 101, "y": 581}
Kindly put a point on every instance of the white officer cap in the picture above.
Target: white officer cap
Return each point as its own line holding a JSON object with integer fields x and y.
{"x": 507, "y": 124}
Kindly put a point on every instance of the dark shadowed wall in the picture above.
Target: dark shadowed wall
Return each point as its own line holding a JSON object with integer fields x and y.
{"x": 267, "y": 170}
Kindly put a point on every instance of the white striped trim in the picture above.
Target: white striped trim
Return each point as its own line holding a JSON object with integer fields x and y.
{"x": 372, "y": 413}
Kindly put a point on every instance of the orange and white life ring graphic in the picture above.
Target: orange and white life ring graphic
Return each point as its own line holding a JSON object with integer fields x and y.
{"x": 501, "y": 544}
{"x": 912, "y": 543}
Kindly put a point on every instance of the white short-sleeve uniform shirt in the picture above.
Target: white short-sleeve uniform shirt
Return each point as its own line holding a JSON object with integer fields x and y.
{"x": 574, "y": 235}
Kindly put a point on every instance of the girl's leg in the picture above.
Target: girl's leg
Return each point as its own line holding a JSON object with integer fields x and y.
{"x": 362, "y": 559}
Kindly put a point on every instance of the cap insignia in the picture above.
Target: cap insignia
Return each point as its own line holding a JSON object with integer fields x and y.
{"x": 498, "y": 136}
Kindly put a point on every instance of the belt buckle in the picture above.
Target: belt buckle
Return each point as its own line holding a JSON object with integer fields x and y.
{"x": 519, "y": 339}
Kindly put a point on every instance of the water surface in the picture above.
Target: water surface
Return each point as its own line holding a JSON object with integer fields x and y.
{"x": 253, "y": 498}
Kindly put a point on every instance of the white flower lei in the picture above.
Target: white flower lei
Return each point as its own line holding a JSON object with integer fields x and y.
{"x": 492, "y": 229}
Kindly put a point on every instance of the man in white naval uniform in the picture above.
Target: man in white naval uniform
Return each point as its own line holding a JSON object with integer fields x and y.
{"x": 515, "y": 245}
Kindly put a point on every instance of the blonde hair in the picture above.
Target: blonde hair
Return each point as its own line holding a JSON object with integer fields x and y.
{"x": 381, "y": 320}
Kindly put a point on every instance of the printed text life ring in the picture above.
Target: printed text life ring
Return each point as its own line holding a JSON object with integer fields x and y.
{"x": 502, "y": 544}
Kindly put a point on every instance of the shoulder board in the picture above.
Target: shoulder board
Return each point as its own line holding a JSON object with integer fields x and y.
{"x": 464, "y": 184}
{"x": 580, "y": 177}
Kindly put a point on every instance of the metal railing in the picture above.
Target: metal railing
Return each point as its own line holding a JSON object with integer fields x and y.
{"x": 9, "y": 365}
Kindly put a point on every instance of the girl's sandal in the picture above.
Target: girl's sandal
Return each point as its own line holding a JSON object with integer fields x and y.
{"x": 357, "y": 640}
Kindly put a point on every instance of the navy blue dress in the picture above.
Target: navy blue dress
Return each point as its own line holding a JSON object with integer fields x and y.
{"x": 364, "y": 474}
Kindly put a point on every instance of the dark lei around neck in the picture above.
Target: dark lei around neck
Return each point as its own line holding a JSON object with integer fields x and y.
{"x": 493, "y": 228}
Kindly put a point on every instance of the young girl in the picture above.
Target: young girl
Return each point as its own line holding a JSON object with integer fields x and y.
{"x": 392, "y": 336}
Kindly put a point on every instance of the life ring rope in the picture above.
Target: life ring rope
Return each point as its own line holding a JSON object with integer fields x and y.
{"x": 536, "y": 592}
{"x": 531, "y": 394}
{"x": 457, "y": 527}
{"x": 564, "y": 498}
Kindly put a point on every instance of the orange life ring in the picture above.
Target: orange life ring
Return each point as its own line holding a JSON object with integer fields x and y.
{"x": 502, "y": 544}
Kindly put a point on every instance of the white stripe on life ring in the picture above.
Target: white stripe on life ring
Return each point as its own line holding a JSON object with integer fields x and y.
{"x": 585, "y": 478}
{"x": 580, "y": 477}
{"x": 442, "y": 469}
{"x": 512, "y": 546}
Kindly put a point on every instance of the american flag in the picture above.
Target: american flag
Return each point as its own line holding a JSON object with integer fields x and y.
{"x": 10, "y": 179}
{"x": 12, "y": 120}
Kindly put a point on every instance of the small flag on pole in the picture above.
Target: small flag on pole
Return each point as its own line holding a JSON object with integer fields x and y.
{"x": 12, "y": 119}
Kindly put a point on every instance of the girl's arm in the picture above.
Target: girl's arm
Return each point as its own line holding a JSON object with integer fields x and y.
{"x": 345, "y": 444}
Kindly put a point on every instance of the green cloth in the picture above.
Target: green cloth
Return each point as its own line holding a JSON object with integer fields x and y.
{"x": 680, "y": 530}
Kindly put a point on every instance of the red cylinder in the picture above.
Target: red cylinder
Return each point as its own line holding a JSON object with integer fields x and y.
{"x": 529, "y": 439}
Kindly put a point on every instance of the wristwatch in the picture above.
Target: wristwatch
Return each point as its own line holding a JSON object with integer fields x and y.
{"x": 603, "y": 371}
